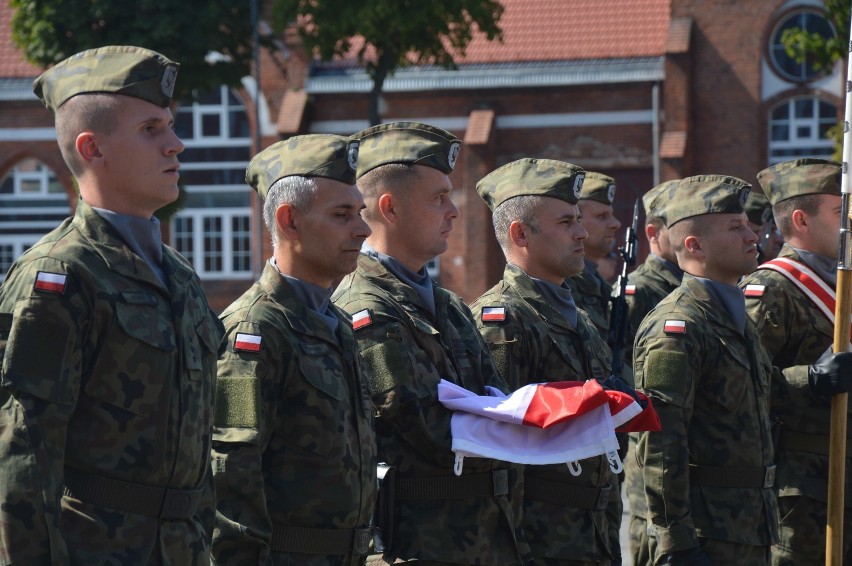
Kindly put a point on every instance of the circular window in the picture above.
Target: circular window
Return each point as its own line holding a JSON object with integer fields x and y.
{"x": 787, "y": 67}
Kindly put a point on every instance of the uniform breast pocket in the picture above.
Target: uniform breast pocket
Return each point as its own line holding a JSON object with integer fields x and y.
{"x": 136, "y": 360}
{"x": 200, "y": 348}
{"x": 732, "y": 376}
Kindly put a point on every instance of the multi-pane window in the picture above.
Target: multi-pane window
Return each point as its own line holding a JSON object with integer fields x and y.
{"x": 213, "y": 229}
{"x": 799, "y": 128}
{"x": 814, "y": 23}
{"x": 32, "y": 203}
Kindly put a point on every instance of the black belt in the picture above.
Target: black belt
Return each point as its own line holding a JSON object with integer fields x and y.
{"x": 726, "y": 476}
{"x": 101, "y": 491}
{"x": 810, "y": 443}
{"x": 304, "y": 540}
{"x": 566, "y": 495}
{"x": 418, "y": 488}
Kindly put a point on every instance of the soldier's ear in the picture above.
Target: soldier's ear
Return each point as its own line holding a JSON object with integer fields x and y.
{"x": 800, "y": 221}
{"x": 387, "y": 208}
{"x": 285, "y": 221}
{"x": 518, "y": 234}
{"x": 693, "y": 245}
{"x": 88, "y": 148}
{"x": 651, "y": 232}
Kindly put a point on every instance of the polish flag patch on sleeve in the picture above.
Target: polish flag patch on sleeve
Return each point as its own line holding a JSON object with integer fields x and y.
{"x": 493, "y": 314}
{"x": 247, "y": 342}
{"x": 675, "y": 327}
{"x": 630, "y": 290}
{"x": 50, "y": 282}
{"x": 754, "y": 290}
{"x": 361, "y": 319}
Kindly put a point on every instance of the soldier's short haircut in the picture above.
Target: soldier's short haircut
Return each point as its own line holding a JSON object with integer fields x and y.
{"x": 523, "y": 209}
{"x": 299, "y": 192}
{"x": 783, "y": 211}
{"x": 693, "y": 226}
{"x": 85, "y": 112}
{"x": 393, "y": 178}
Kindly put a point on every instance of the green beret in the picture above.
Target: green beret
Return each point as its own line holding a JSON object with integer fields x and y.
{"x": 407, "y": 142}
{"x": 757, "y": 208}
{"x": 799, "y": 177}
{"x": 314, "y": 155}
{"x": 116, "y": 69}
{"x": 536, "y": 177}
{"x": 704, "y": 194}
{"x": 655, "y": 206}
{"x": 599, "y": 187}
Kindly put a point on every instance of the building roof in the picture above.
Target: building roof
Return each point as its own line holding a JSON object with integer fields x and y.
{"x": 12, "y": 61}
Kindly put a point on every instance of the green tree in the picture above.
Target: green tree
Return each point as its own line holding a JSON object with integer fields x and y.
{"x": 186, "y": 32}
{"x": 388, "y": 34}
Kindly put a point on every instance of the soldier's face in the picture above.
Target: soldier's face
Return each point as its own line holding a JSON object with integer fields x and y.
{"x": 601, "y": 225}
{"x": 330, "y": 233}
{"x": 557, "y": 250}
{"x": 824, "y": 226}
{"x": 729, "y": 247}
{"x": 424, "y": 216}
{"x": 140, "y": 159}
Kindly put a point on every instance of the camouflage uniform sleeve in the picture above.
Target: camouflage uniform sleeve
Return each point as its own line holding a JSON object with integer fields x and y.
{"x": 667, "y": 370}
{"x": 247, "y": 390}
{"x": 507, "y": 342}
{"x": 41, "y": 373}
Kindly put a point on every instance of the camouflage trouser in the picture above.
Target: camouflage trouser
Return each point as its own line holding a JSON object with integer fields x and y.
{"x": 638, "y": 535}
{"x": 614, "y": 511}
{"x": 558, "y": 562}
{"x": 726, "y": 553}
{"x": 801, "y": 532}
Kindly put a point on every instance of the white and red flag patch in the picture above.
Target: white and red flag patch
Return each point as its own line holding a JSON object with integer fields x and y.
{"x": 630, "y": 290}
{"x": 52, "y": 282}
{"x": 247, "y": 342}
{"x": 361, "y": 319}
{"x": 754, "y": 290}
{"x": 675, "y": 327}
{"x": 493, "y": 314}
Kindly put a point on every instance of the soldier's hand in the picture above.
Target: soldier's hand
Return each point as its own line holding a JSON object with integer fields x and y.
{"x": 830, "y": 374}
{"x": 614, "y": 383}
{"x": 692, "y": 557}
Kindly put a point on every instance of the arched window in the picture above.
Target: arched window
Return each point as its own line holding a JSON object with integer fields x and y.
{"x": 213, "y": 229}
{"x": 798, "y": 127}
{"x": 788, "y": 68}
{"x": 32, "y": 203}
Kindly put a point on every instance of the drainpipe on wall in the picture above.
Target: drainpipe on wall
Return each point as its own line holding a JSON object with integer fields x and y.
{"x": 258, "y": 268}
{"x": 655, "y": 130}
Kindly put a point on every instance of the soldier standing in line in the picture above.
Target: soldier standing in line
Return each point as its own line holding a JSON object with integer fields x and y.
{"x": 591, "y": 292}
{"x": 536, "y": 333}
{"x": 648, "y": 284}
{"x": 412, "y": 333}
{"x": 795, "y": 329}
{"x": 759, "y": 212}
{"x": 293, "y": 444}
{"x": 708, "y": 474}
{"x": 109, "y": 366}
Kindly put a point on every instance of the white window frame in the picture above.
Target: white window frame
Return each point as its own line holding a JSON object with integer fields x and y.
{"x": 811, "y": 146}
{"x": 198, "y": 215}
{"x": 19, "y": 242}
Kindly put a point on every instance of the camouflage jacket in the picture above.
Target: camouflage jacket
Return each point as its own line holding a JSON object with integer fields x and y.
{"x": 652, "y": 282}
{"x": 106, "y": 373}
{"x": 594, "y": 299}
{"x": 796, "y": 333}
{"x": 293, "y": 441}
{"x": 408, "y": 351}
{"x": 711, "y": 388}
{"x": 535, "y": 344}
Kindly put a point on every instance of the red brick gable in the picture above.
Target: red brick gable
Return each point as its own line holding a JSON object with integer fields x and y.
{"x": 12, "y": 62}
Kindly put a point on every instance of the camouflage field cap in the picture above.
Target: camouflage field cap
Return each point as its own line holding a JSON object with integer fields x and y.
{"x": 599, "y": 187}
{"x": 407, "y": 142}
{"x": 116, "y": 69}
{"x": 313, "y": 155}
{"x": 757, "y": 208}
{"x": 535, "y": 177}
{"x": 654, "y": 206}
{"x": 704, "y": 194}
{"x": 799, "y": 177}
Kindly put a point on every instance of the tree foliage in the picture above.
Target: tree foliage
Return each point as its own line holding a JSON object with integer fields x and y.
{"x": 185, "y": 32}
{"x": 395, "y": 33}
{"x": 821, "y": 51}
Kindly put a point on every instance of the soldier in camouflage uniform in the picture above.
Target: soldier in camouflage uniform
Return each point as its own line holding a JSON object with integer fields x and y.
{"x": 108, "y": 373}
{"x": 590, "y": 290}
{"x": 536, "y": 333}
{"x": 758, "y": 210}
{"x": 805, "y": 194}
{"x": 649, "y": 284}
{"x": 293, "y": 444}
{"x": 412, "y": 333}
{"x": 708, "y": 474}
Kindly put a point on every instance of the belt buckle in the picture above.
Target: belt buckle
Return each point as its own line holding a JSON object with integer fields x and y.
{"x": 603, "y": 498}
{"x": 361, "y": 541}
{"x": 500, "y": 479}
{"x": 769, "y": 476}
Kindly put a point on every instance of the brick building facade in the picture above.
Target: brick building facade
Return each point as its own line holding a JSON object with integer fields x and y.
{"x": 642, "y": 90}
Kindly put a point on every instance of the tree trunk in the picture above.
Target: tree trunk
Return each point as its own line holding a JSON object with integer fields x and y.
{"x": 378, "y": 73}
